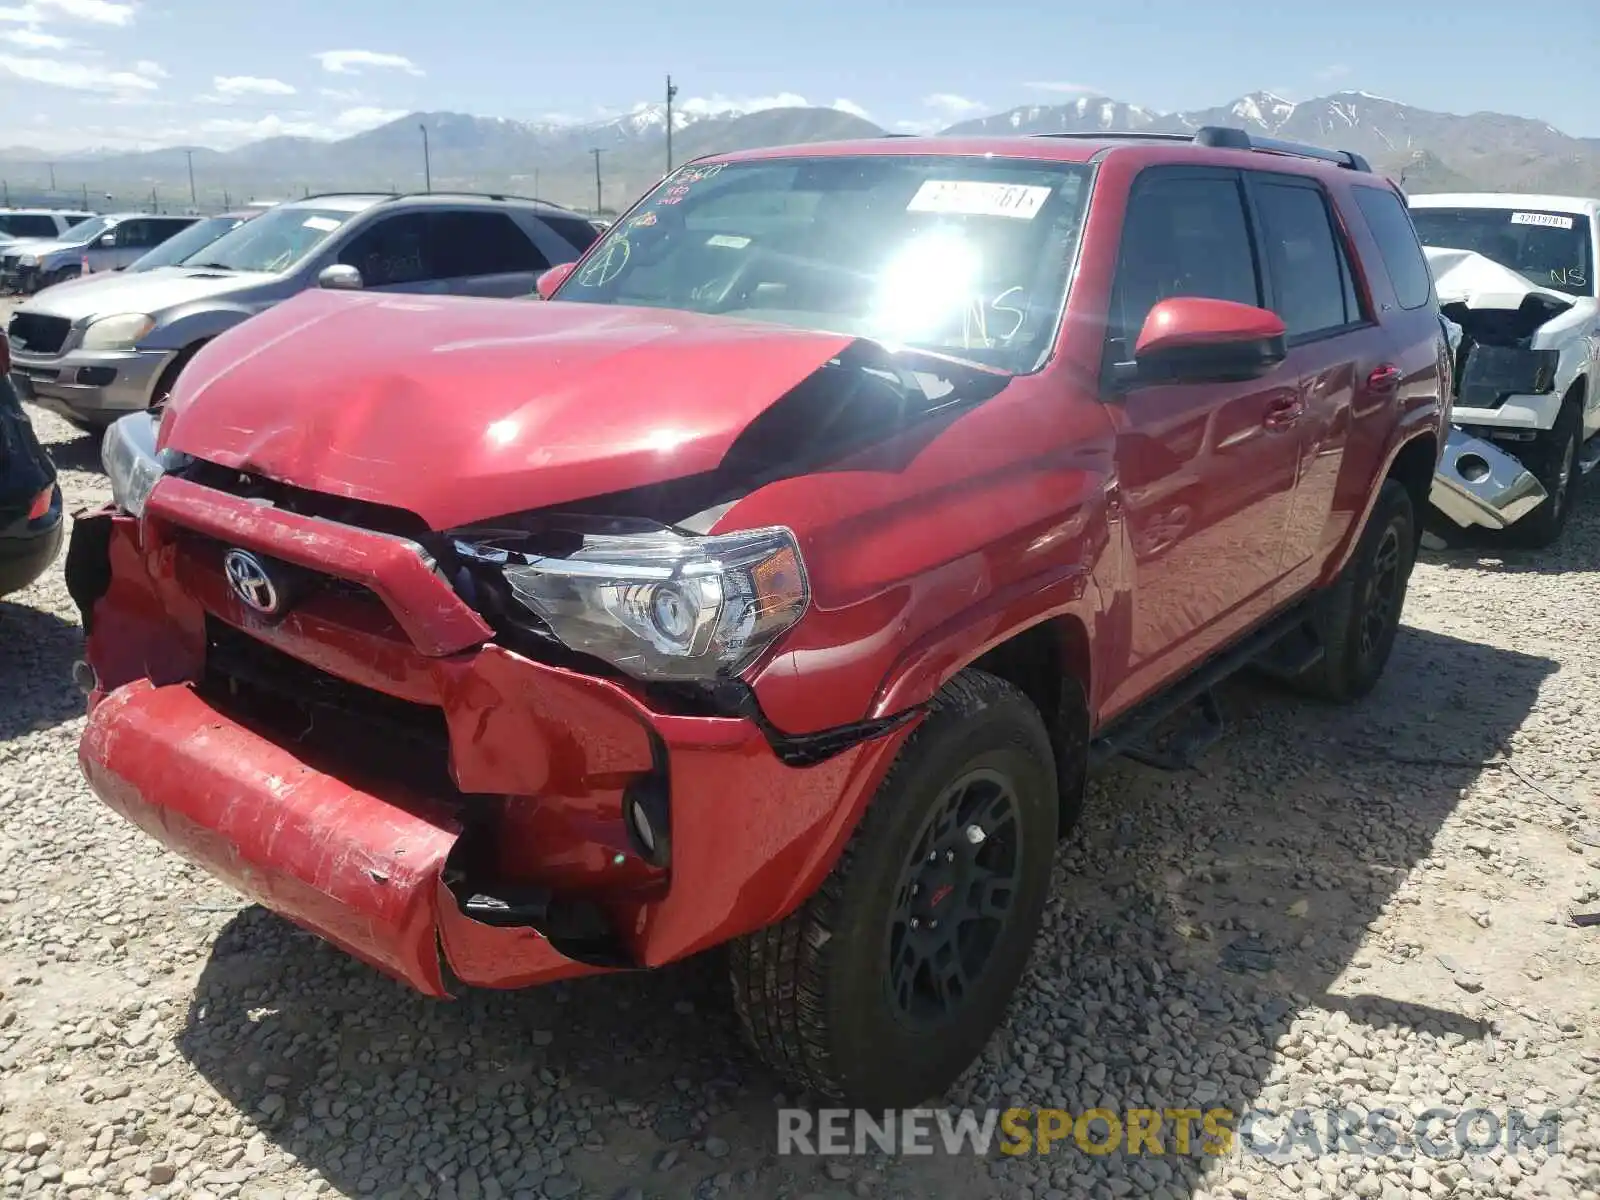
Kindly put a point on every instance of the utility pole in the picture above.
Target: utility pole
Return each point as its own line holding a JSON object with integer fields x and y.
{"x": 671, "y": 93}
{"x": 155, "y": 205}
{"x": 86, "y": 197}
{"x": 194, "y": 198}
{"x": 597, "y": 152}
{"x": 226, "y": 203}
{"x": 5, "y": 186}
{"x": 427, "y": 164}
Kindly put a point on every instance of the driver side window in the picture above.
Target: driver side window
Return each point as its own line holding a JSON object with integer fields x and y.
{"x": 390, "y": 251}
{"x": 1185, "y": 234}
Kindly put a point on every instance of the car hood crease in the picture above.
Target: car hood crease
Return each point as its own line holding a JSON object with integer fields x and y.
{"x": 461, "y": 409}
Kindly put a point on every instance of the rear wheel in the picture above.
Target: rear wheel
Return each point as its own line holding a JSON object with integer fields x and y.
{"x": 884, "y": 986}
{"x": 1359, "y": 616}
{"x": 1553, "y": 460}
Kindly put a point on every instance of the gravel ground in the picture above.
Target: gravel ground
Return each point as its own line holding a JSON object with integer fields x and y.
{"x": 1363, "y": 907}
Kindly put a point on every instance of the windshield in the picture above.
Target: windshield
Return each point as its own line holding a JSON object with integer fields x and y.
{"x": 273, "y": 242}
{"x": 181, "y": 245}
{"x": 1552, "y": 250}
{"x": 86, "y": 231}
{"x": 962, "y": 256}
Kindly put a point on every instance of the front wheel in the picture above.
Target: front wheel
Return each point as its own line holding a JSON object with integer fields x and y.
{"x": 884, "y": 986}
{"x": 1358, "y": 618}
{"x": 1553, "y": 460}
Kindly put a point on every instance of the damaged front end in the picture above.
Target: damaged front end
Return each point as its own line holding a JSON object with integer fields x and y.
{"x": 1505, "y": 387}
{"x": 498, "y": 755}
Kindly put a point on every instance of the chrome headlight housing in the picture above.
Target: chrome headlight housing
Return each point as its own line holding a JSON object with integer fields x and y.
{"x": 661, "y": 605}
{"x": 133, "y": 466}
{"x": 121, "y": 331}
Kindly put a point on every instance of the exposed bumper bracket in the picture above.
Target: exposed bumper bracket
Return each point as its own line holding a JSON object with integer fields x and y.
{"x": 1477, "y": 483}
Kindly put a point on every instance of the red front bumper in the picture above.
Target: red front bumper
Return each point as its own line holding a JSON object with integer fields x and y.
{"x": 540, "y": 756}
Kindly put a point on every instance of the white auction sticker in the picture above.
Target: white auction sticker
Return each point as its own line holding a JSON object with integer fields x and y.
{"x": 1549, "y": 220}
{"x": 728, "y": 241}
{"x": 972, "y": 198}
{"x": 321, "y": 224}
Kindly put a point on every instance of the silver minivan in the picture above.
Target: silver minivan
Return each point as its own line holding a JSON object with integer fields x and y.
{"x": 102, "y": 348}
{"x": 99, "y": 244}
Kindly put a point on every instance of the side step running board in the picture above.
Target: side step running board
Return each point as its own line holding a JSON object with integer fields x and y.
{"x": 1283, "y": 647}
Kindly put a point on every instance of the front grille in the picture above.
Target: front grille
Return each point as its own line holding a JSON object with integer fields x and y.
{"x": 37, "y": 333}
{"x": 8, "y": 262}
{"x": 374, "y": 734}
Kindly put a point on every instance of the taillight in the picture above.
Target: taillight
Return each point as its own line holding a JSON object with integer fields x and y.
{"x": 41, "y": 503}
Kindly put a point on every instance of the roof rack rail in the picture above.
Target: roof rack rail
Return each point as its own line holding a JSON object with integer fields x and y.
{"x": 386, "y": 197}
{"x": 1226, "y": 137}
{"x": 449, "y": 193}
{"x": 1119, "y": 135}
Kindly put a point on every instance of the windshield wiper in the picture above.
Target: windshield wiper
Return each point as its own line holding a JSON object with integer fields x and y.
{"x": 211, "y": 266}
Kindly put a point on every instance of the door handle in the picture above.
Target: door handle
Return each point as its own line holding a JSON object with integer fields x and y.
{"x": 1283, "y": 412}
{"x": 1383, "y": 380}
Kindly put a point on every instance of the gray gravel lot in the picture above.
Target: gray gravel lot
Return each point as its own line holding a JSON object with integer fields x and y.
{"x": 1343, "y": 907}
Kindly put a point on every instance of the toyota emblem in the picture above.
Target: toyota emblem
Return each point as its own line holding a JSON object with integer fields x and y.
{"x": 248, "y": 578}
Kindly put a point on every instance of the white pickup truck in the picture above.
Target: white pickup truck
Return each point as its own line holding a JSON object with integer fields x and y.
{"x": 1517, "y": 275}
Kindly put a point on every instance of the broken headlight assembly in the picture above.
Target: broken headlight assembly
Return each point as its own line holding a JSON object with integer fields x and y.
{"x": 660, "y": 605}
{"x": 131, "y": 462}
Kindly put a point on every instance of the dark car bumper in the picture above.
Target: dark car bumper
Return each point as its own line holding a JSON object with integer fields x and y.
{"x": 28, "y": 548}
{"x": 28, "y": 543}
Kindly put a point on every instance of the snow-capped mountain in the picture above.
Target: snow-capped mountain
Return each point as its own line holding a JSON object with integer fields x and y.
{"x": 1435, "y": 149}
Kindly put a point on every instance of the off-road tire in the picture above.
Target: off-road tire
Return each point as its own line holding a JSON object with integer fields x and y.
{"x": 1372, "y": 585}
{"x": 1553, "y": 459}
{"x": 813, "y": 991}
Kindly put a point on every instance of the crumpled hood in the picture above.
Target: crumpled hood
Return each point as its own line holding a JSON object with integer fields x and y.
{"x": 102, "y": 295}
{"x": 1463, "y": 277}
{"x": 463, "y": 409}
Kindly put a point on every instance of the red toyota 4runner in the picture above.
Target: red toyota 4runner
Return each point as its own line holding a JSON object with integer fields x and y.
{"x": 779, "y": 582}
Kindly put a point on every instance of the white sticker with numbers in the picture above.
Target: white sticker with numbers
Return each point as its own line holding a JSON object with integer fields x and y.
{"x": 973, "y": 198}
{"x": 1549, "y": 220}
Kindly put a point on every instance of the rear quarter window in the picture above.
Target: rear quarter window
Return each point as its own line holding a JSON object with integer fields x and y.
{"x": 1389, "y": 220}
{"x": 575, "y": 231}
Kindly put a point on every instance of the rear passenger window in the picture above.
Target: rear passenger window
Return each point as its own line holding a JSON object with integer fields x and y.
{"x": 1311, "y": 283}
{"x": 1390, "y": 221}
{"x": 27, "y": 225}
{"x": 479, "y": 243}
{"x": 1185, "y": 235}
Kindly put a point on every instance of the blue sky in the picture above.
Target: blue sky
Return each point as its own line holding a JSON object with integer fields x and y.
{"x": 140, "y": 73}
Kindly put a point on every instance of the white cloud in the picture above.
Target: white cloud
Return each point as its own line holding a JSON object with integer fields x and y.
{"x": 340, "y": 95}
{"x": 250, "y": 85}
{"x": 851, "y": 107}
{"x": 1063, "y": 88}
{"x": 82, "y": 77}
{"x": 350, "y": 62}
{"x": 227, "y": 132}
{"x": 720, "y": 105}
{"x": 32, "y": 39}
{"x": 952, "y": 106}
{"x": 93, "y": 12}
{"x": 1334, "y": 71}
